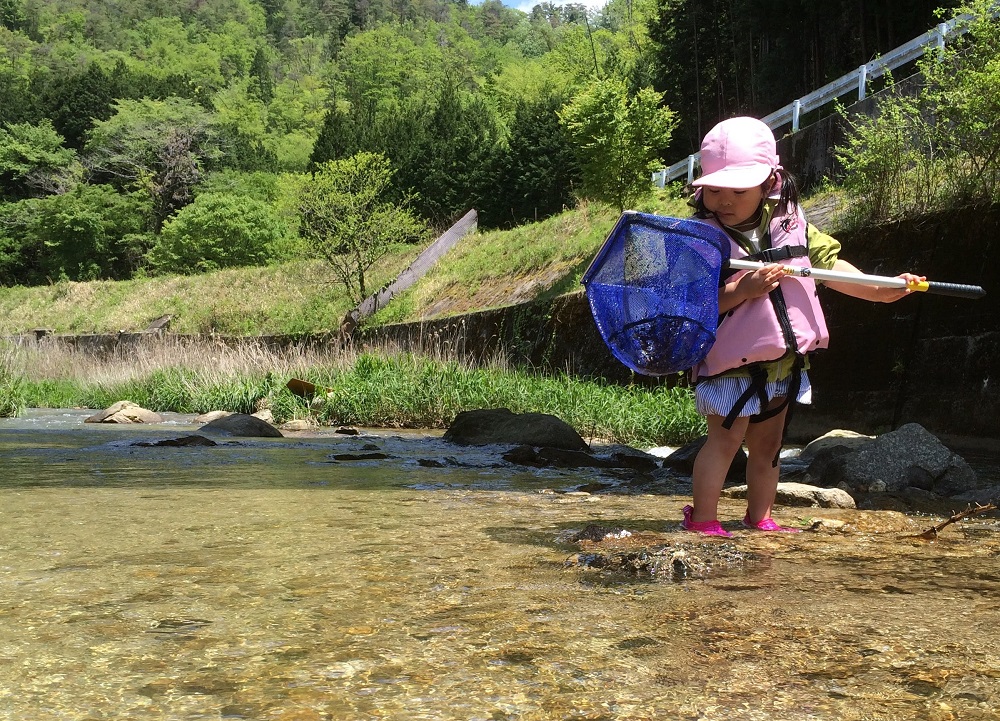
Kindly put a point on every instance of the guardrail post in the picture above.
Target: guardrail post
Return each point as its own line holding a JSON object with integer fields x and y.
{"x": 796, "y": 109}
{"x": 690, "y": 169}
{"x": 942, "y": 30}
{"x": 862, "y": 81}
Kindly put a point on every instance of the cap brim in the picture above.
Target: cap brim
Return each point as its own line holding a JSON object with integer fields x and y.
{"x": 749, "y": 176}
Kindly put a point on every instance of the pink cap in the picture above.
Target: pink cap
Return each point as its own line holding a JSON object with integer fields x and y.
{"x": 738, "y": 153}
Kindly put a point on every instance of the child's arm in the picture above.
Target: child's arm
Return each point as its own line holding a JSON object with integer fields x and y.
{"x": 873, "y": 293}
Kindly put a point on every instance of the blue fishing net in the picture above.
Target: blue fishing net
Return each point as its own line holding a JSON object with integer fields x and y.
{"x": 653, "y": 290}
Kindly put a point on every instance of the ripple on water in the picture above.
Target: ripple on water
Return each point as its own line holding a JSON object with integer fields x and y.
{"x": 258, "y": 581}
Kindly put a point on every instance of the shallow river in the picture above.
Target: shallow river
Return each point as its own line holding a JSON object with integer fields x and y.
{"x": 266, "y": 580}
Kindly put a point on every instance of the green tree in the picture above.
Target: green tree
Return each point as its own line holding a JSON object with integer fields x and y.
{"x": 12, "y": 14}
{"x": 17, "y": 98}
{"x": 89, "y": 233}
{"x": 260, "y": 71}
{"x": 533, "y": 174}
{"x": 616, "y": 140}
{"x": 160, "y": 147}
{"x": 347, "y": 219}
{"x": 940, "y": 147}
{"x": 751, "y": 57}
{"x": 218, "y": 231}
{"x": 33, "y": 160}
{"x": 448, "y": 157}
{"x": 73, "y": 102}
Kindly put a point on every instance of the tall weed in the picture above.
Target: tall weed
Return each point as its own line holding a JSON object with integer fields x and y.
{"x": 12, "y": 397}
{"x": 377, "y": 388}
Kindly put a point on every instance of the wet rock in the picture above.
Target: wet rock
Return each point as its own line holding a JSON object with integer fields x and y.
{"x": 431, "y": 463}
{"x": 545, "y": 457}
{"x": 670, "y": 562}
{"x": 181, "y": 442}
{"x": 553, "y": 457}
{"x": 905, "y": 500}
{"x": 594, "y": 532}
{"x": 125, "y": 412}
{"x": 794, "y": 469}
{"x": 298, "y": 424}
{"x": 635, "y": 460}
{"x": 211, "y": 416}
{"x": 822, "y": 458}
{"x": 838, "y": 438}
{"x": 359, "y": 457}
{"x": 595, "y": 487}
{"x": 908, "y": 457}
{"x": 801, "y": 495}
{"x": 501, "y": 426}
{"x": 682, "y": 460}
{"x": 982, "y": 496}
{"x": 828, "y": 524}
{"x": 242, "y": 425}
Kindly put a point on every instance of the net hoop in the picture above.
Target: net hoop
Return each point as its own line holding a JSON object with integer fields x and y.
{"x": 653, "y": 291}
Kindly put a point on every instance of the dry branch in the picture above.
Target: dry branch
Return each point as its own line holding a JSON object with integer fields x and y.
{"x": 932, "y": 533}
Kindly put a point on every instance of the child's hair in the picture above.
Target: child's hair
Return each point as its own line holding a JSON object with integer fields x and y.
{"x": 788, "y": 198}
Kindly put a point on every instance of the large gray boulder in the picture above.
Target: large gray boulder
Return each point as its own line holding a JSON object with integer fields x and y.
{"x": 242, "y": 425}
{"x": 908, "y": 457}
{"x": 501, "y": 426}
{"x": 835, "y": 439}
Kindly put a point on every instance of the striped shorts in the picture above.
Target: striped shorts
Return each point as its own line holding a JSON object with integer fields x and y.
{"x": 717, "y": 396}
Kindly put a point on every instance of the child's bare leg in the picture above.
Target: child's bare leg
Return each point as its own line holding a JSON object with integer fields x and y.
{"x": 712, "y": 464}
{"x": 763, "y": 444}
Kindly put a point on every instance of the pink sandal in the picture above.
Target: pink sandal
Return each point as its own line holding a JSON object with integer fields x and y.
{"x": 706, "y": 528}
{"x": 768, "y": 524}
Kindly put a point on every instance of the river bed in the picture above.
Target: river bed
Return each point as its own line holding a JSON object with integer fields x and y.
{"x": 262, "y": 579}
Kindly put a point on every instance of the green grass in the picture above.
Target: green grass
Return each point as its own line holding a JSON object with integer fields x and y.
{"x": 385, "y": 388}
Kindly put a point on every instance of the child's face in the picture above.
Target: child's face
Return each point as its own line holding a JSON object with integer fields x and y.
{"x": 733, "y": 206}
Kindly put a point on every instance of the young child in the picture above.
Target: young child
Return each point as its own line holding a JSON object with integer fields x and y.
{"x": 769, "y": 321}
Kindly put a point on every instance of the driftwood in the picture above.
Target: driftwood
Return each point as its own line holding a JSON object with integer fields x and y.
{"x": 932, "y": 533}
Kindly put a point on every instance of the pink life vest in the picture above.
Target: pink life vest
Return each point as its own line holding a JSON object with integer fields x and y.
{"x": 755, "y": 331}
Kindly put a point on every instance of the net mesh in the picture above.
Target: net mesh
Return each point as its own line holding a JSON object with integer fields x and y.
{"x": 653, "y": 291}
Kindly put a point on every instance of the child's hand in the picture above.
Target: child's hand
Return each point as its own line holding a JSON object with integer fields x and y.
{"x": 890, "y": 295}
{"x": 752, "y": 284}
{"x": 760, "y": 282}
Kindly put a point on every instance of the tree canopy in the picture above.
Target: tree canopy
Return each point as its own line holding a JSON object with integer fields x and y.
{"x": 157, "y": 101}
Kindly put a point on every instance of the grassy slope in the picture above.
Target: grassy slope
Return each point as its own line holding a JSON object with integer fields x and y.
{"x": 487, "y": 269}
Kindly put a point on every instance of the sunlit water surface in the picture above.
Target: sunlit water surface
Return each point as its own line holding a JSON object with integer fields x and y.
{"x": 265, "y": 580}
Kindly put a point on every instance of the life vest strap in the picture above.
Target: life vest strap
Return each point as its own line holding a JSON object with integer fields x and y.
{"x": 780, "y": 254}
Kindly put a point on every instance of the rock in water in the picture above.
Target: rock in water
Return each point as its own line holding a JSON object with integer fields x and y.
{"x": 242, "y": 425}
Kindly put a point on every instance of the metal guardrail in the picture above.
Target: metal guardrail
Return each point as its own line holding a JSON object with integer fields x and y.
{"x": 935, "y": 38}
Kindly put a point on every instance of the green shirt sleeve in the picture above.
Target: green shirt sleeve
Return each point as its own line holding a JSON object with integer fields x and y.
{"x": 823, "y": 249}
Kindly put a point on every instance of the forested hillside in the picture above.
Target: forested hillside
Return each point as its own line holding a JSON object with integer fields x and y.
{"x": 142, "y": 137}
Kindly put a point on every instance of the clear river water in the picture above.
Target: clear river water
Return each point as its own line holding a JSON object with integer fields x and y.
{"x": 264, "y": 579}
